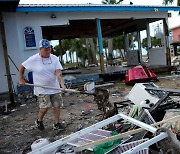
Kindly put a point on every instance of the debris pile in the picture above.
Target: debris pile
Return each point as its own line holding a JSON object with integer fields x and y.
{"x": 149, "y": 115}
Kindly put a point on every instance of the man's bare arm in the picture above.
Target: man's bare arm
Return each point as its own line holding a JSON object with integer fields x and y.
{"x": 21, "y": 75}
{"x": 60, "y": 78}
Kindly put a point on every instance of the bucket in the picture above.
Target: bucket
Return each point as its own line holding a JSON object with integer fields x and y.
{"x": 30, "y": 77}
{"x": 89, "y": 86}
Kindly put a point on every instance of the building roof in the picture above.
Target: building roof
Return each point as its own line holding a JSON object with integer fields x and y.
{"x": 91, "y": 7}
{"x": 178, "y": 26}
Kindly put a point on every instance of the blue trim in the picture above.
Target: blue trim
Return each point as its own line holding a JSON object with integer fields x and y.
{"x": 99, "y": 36}
{"x": 89, "y": 8}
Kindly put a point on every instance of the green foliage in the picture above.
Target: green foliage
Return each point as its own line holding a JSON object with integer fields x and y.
{"x": 55, "y": 50}
{"x": 67, "y": 44}
{"x": 118, "y": 42}
{"x": 73, "y": 45}
{"x": 166, "y": 2}
{"x": 105, "y": 43}
{"x": 154, "y": 41}
{"x": 79, "y": 46}
{"x": 144, "y": 42}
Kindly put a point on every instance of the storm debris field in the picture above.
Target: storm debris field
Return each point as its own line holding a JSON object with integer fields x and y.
{"x": 79, "y": 111}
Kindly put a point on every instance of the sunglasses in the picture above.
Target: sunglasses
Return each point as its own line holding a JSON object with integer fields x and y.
{"x": 46, "y": 61}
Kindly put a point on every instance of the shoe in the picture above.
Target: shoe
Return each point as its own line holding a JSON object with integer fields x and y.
{"x": 58, "y": 126}
{"x": 39, "y": 125}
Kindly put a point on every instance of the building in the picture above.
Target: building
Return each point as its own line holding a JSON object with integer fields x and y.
{"x": 24, "y": 27}
{"x": 175, "y": 40}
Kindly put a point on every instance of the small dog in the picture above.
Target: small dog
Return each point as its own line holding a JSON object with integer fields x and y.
{"x": 102, "y": 99}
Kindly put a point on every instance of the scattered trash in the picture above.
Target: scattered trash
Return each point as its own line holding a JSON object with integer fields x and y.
{"x": 65, "y": 149}
{"x": 89, "y": 86}
{"x": 22, "y": 105}
{"x": 39, "y": 143}
{"x": 79, "y": 127}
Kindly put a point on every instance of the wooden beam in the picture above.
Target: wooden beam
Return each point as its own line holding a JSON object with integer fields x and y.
{"x": 166, "y": 42}
{"x": 9, "y": 79}
{"x": 100, "y": 45}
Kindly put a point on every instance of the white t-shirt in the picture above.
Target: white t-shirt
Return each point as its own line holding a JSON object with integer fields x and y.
{"x": 44, "y": 72}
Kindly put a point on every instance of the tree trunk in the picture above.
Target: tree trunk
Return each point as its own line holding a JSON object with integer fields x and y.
{"x": 93, "y": 49}
{"x": 72, "y": 55}
{"x": 61, "y": 51}
{"x": 88, "y": 51}
{"x": 66, "y": 57}
{"x": 106, "y": 53}
{"x": 122, "y": 55}
{"x": 110, "y": 49}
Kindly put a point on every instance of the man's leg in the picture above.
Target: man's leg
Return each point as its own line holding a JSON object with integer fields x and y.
{"x": 44, "y": 104}
{"x": 56, "y": 101}
{"x": 56, "y": 115}
{"x": 41, "y": 113}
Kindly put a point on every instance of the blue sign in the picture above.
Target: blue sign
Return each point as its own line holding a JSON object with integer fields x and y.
{"x": 29, "y": 37}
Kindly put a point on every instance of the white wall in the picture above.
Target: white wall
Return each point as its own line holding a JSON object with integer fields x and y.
{"x": 157, "y": 56}
{"x": 3, "y": 78}
{"x": 16, "y": 22}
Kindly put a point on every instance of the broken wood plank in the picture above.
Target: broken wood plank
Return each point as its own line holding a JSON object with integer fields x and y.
{"x": 163, "y": 89}
{"x": 67, "y": 90}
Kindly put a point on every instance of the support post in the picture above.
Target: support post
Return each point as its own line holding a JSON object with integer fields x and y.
{"x": 139, "y": 47}
{"x": 148, "y": 36}
{"x": 100, "y": 44}
{"x": 126, "y": 39}
{"x": 166, "y": 42}
{"x": 9, "y": 79}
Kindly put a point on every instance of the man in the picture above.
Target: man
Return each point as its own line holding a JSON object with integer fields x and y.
{"x": 46, "y": 70}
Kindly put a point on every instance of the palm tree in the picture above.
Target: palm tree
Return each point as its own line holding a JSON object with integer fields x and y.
{"x": 118, "y": 43}
{"x": 170, "y": 2}
{"x": 111, "y": 1}
{"x": 79, "y": 45}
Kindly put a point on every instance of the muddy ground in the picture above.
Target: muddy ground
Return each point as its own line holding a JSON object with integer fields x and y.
{"x": 18, "y": 131}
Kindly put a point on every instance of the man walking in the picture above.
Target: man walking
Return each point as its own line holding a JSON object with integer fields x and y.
{"x": 46, "y": 70}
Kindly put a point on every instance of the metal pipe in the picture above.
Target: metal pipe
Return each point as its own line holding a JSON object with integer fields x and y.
{"x": 138, "y": 123}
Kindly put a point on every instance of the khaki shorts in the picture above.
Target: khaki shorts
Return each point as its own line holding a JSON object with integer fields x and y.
{"x": 50, "y": 100}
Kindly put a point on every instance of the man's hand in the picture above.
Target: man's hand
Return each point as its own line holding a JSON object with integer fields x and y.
{"x": 22, "y": 82}
{"x": 60, "y": 78}
{"x": 63, "y": 88}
